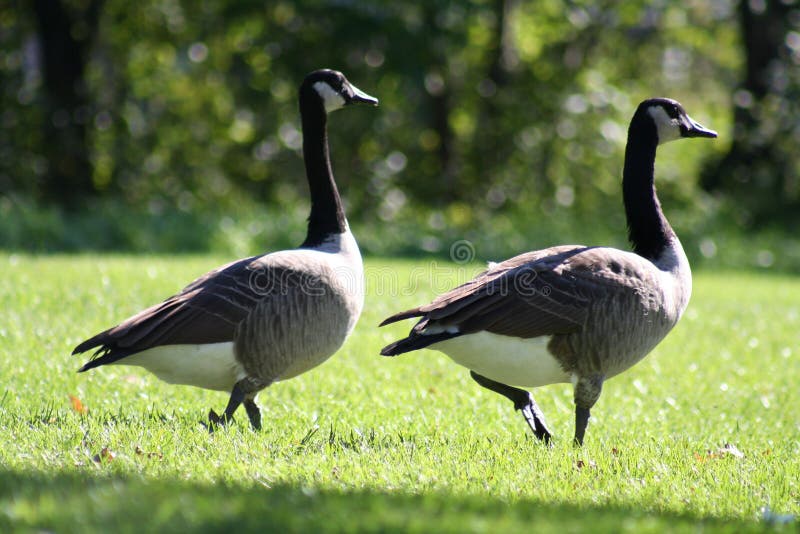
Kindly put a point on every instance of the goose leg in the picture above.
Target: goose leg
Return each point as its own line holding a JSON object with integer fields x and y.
{"x": 523, "y": 401}
{"x": 587, "y": 391}
{"x": 237, "y": 397}
{"x": 243, "y": 393}
{"x": 253, "y": 412}
{"x": 581, "y": 422}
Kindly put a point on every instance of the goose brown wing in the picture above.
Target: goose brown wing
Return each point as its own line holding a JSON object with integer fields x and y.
{"x": 207, "y": 311}
{"x": 541, "y": 293}
{"x": 478, "y": 287}
{"x": 527, "y": 296}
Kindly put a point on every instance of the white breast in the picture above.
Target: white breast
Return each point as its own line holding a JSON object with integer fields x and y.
{"x": 675, "y": 278}
{"x": 344, "y": 258}
{"x": 510, "y": 360}
{"x": 293, "y": 333}
{"x": 210, "y": 366}
{"x": 337, "y": 260}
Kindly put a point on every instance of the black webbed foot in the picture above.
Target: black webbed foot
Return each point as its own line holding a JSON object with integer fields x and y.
{"x": 243, "y": 392}
{"x": 535, "y": 419}
{"x": 215, "y": 420}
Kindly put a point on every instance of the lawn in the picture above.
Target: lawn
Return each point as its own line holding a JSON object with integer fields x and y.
{"x": 705, "y": 433}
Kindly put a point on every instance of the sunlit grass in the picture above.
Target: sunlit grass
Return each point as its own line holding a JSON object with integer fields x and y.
{"x": 365, "y": 443}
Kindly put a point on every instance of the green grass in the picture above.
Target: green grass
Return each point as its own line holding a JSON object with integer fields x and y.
{"x": 365, "y": 443}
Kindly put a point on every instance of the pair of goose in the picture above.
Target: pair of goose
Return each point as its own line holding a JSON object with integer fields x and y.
{"x": 566, "y": 313}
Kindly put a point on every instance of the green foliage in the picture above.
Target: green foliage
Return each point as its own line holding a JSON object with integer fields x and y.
{"x": 502, "y": 118}
{"x": 194, "y": 105}
{"x": 760, "y": 171}
{"x": 365, "y": 443}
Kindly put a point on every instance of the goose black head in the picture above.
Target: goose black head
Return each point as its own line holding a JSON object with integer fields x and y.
{"x": 334, "y": 91}
{"x": 671, "y": 120}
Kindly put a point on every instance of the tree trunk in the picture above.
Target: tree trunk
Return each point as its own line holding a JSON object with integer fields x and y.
{"x": 65, "y": 37}
{"x": 441, "y": 97}
{"x": 760, "y": 170}
{"x": 491, "y": 152}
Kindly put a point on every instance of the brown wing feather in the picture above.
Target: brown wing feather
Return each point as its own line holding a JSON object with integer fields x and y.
{"x": 207, "y": 311}
{"x": 539, "y": 293}
{"x": 523, "y": 296}
{"x": 461, "y": 296}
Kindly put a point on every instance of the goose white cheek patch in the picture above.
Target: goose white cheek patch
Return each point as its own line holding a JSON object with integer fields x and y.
{"x": 330, "y": 98}
{"x": 668, "y": 128}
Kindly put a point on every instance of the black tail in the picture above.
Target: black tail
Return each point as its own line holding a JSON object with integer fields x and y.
{"x": 91, "y": 364}
{"x": 105, "y": 352}
{"x": 402, "y": 315}
{"x": 415, "y": 342}
{"x": 104, "y": 356}
{"x": 95, "y": 342}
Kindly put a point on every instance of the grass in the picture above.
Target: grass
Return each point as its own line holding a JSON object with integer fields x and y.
{"x": 365, "y": 443}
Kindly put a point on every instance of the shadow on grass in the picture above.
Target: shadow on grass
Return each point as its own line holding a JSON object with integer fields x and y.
{"x": 35, "y": 501}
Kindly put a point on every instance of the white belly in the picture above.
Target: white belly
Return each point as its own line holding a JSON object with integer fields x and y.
{"x": 510, "y": 360}
{"x": 209, "y": 366}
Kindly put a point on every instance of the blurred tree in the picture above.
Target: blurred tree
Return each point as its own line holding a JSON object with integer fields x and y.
{"x": 439, "y": 86}
{"x": 762, "y": 169}
{"x": 66, "y": 34}
{"x": 500, "y": 62}
{"x": 491, "y": 110}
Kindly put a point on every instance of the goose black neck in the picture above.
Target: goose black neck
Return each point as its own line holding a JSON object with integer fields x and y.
{"x": 648, "y": 229}
{"x": 327, "y": 213}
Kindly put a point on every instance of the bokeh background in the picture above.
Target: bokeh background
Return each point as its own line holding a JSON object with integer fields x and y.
{"x": 172, "y": 125}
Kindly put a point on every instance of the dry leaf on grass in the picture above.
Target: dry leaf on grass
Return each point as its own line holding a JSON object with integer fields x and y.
{"x": 726, "y": 451}
{"x": 77, "y": 405}
{"x": 106, "y": 455}
{"x": 580, "y": 464}
{"x": 140, "y": 452}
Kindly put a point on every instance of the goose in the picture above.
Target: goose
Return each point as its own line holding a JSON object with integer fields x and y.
{"x": 266, "y": 318}
{"x": 571, "y": 313}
